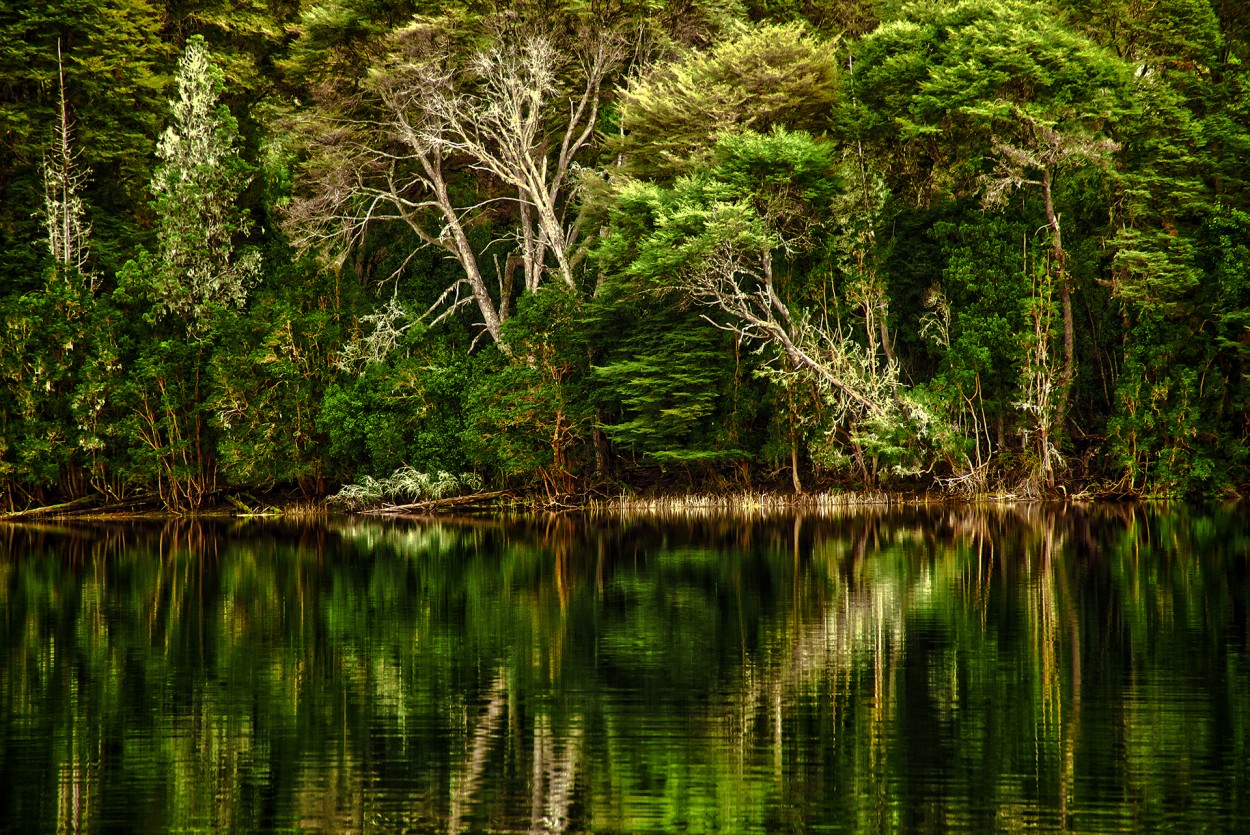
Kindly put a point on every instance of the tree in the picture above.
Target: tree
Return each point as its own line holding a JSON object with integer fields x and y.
{"x": 197, "y": 187}
{"x": 49, "y": 332}
{"x": 522, "y": 419}
{"x": 1182, "y": 179}
{"x": 518, "y": 111}
{"x": 68, "y": 229}
{"x": 731, "y": 238}
{"x": 1032, "y": 159}
{"x": 186, "y": 288}
{"x": 661, "y": 384}
{"x": 1155, "y": 36}
{"x": 981, "y": 327}
{"x": 761, "y": 78}
{"x": 987, "y": 97}
{"x": 112, "y": 59}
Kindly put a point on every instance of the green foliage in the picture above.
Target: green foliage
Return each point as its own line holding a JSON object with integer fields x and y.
{"x": 184, "y": 291}
{"x": 337, "y": 39}
{"x": 115, "y": 72}
{"x": 165, "y": 419}
{"x": 949, "y": 83}
{"x": 48, "y": 336}
{"x": 977, "y": 311}
{"x": 526, "y": 421}
{"x": 760, "y": 192}
{"x": 403, "y": 485}
{"x": 765, "y": 77}
{"x": 663, "y": 386}
{"x": 1161, "y": 35}
{"x": 1183, "y": 395}
{"x": 409, "y": 410}
{"x": 896, "y": 207}
{"x": 197, "y": 188}
{"x": 269, "y": 376}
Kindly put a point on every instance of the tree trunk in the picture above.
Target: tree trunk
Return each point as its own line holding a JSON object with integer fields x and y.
{"x": 529, "y": 249}
{"x": 794, "y": 444}
{"x": 468, "y": 260}
{"x": 1065, "y": 298}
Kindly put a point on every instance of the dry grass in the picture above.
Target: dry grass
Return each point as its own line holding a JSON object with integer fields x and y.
{"x": 303, "y": 511}
{"x": 752, "y": 502}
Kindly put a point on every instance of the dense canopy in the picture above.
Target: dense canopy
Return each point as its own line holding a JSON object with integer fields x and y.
{"x": 971, "y": 246}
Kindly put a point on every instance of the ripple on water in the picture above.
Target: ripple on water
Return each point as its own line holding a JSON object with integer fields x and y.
{"x": 967, "y": 672}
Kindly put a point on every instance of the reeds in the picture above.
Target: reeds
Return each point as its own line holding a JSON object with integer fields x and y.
{"x": 304, "y": 511}
{"x": 761, "y": 503}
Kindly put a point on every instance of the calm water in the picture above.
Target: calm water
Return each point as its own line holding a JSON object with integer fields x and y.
{"x": 1026, "y": 669}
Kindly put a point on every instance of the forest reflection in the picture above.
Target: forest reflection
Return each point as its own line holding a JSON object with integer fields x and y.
{"x": 921, "y": 669}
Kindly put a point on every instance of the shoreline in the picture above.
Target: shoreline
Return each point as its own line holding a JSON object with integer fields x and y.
{"x": 495, "y": 503}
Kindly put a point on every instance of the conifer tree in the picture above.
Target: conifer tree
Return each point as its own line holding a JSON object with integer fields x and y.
{"x": 63, "y": 179}
{"x": 193, "y": 279}
{"x": 113, "y": 60}
{"x": 197, "y": 189}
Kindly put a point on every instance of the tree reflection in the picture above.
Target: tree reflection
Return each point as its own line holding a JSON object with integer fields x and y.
{"x": 913, "y": 668}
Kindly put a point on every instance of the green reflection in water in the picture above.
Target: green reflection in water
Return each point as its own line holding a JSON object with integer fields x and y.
{"x": 912, "y": 670}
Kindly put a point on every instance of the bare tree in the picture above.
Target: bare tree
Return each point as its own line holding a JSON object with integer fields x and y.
{"x": 502, "y": 128}
{"x": 391, "y": 152}
{"x": 859, "y": 388}
{"x": 64, "y": 180}
{"x": 740, "y": 283}
{"x": 837, "y": 348}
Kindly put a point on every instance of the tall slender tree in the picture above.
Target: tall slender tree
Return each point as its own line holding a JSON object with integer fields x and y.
{"x": 198, "y": 274}
{"x": 63, "y": 179}
{"x": 197, "y": 187}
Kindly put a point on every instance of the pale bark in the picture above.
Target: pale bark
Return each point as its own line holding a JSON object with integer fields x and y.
{"x": 496, "y": 116}
{"x": 501, "y": 128}
{"x": 761, "y": 315}
{"x": 68, "y": 229}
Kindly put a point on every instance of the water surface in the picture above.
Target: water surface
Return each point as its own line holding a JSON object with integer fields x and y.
{"x": 944, "y": 670}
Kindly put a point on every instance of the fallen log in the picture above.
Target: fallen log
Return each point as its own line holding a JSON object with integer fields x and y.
{"x": 140, "y": 504}
{"x": 51, "y": 509}
{"x": 435, "y": 504}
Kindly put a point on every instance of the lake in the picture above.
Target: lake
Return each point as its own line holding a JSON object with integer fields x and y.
{"x": 917, "y": 670}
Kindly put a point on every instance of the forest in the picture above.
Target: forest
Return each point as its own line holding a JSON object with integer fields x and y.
{"x": 390, "y": 249}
